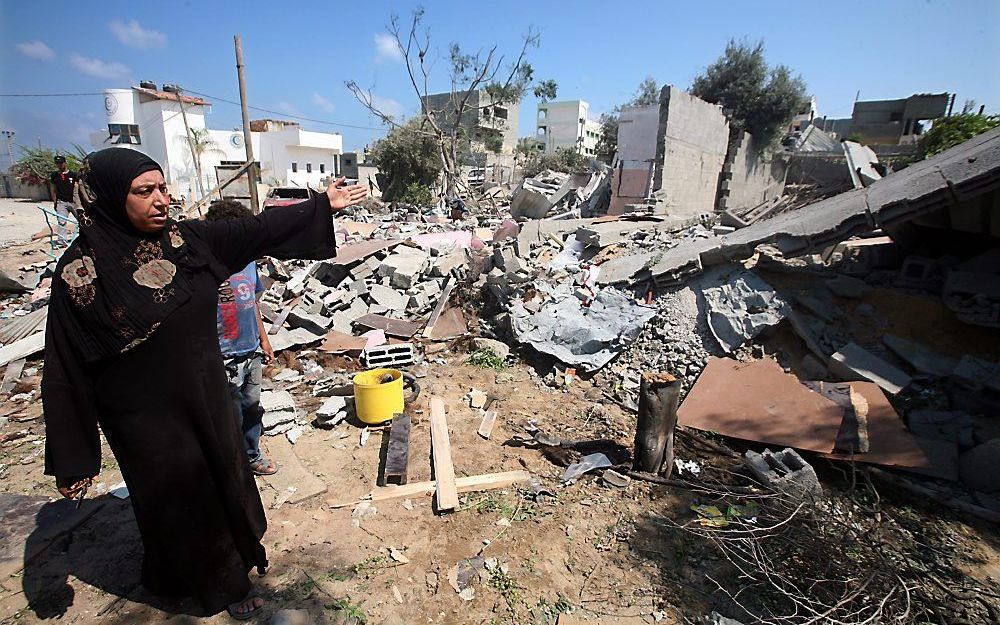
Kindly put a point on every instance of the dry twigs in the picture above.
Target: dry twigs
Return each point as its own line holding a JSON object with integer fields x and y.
{"x": 841, "y": 561}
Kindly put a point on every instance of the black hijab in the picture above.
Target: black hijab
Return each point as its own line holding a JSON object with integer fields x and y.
{"x": 115, "y": 284}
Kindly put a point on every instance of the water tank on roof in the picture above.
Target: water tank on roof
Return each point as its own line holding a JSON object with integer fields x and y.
{"x": 120, "y": 106}
{"x": 148, "y": 84}
{"x": 171, "y": 88}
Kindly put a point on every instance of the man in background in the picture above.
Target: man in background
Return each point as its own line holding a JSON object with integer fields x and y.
{"x": 244, "y": 344}
{"x": 62, "y": 189}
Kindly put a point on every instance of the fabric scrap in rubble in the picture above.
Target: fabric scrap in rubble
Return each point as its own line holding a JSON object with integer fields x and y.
{"x": 581, "y": 336}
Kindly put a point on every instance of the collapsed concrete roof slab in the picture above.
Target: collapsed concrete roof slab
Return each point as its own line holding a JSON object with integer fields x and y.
{"x": 961, "y": 173}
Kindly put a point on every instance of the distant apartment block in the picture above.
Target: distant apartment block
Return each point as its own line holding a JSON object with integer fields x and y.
{"x": 484, "y": 121}
{"x": 890, "y": 122}
{"x": 567, "y": 125}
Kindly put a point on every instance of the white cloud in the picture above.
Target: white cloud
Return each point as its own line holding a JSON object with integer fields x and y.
{"x": 99, "y": 68}
{"x": 388, "y": 106}
{"x": 36, "y": 50}
{"x": 135, "y": 36}
{"x": 386, "y": 48}
{"x": 322, "y": 103}
{"x": 288, "y": 108}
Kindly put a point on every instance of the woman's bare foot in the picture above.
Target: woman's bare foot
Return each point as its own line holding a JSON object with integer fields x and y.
{"x": 243, "y": 610}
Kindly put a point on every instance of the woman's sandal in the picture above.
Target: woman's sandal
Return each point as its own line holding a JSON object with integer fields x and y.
{"x": 249, "y": 614}
{"x": 264, "y": 466}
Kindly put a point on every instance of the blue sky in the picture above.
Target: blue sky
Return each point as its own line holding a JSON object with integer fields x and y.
{"x": 298, "y": 55}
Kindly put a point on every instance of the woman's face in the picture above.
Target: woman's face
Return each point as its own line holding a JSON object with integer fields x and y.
{"x": 148, "y": 202}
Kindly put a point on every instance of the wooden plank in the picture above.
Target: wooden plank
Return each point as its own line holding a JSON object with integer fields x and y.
{"x": 393, "y": 327}
{"x": 473, "y": 483}
{"x": 436, "y": 313}
{"x": 486, "y": 427}
{"x": 11, "y": 375}
{"x": 397, "y": 457}
{"x": 444, "y": 470}
{"x": 23, "y": 348}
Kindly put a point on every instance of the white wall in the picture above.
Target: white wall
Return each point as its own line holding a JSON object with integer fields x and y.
{"x": 164, "y": 139}
{"x": 563, "y": 127}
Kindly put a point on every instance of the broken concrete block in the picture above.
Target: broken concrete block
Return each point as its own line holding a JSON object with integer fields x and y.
{"x": 921, "y": 358}
{"x": 742, "y": 308}
{"x": 329, "y": 273}
{"x": 444, "y": 265}
{"x": 317, "y": 324}
{"x": 388, "y": 297}
{"x": 271, "y": 401}
{"x": 418, "y": 301}
{"x": 852, "y": 362}
{"x": 477, "y": 398}
{"x": 977, "y": 374}
{"x": 951, "y": 426}
{"x": 502, "y": 256}
{"x": 846, "y": 286}
{"x": 497, "y": 347}
{"x": 784, "y": 472}
{"x": 332, "y": 406}
{"x": 722, "y": 230}
{"x": 978, "y": 467}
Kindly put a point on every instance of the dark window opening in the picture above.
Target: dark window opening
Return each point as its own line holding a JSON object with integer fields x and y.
{"x": 500, "y": 112}
{"x": 295, "y": 167}
{"x": 896, "y": 116}
{"x": 309, "y": 168}
{"x": 322, "y": 168}
{"x": 124, "y": 133}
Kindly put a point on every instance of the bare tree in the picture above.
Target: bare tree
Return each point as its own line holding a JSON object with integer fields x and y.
{"x": 486, "y": 71}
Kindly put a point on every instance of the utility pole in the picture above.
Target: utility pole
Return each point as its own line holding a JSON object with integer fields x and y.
{"x": 247, "y": 140}
{"x": 194, "y": 153}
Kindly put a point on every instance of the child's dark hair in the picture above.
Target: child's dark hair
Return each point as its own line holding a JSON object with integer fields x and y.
{"x": 227, "y": 209}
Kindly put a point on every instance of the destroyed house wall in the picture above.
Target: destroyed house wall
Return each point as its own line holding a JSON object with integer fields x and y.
{"x": 691, "y": 146}
{"x": 751, "y": 176}
{"x": 633, "y": 171}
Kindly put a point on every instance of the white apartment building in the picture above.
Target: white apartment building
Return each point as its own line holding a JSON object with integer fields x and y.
{"x": 149, "y": 120}
{"x": 567, "y": 125}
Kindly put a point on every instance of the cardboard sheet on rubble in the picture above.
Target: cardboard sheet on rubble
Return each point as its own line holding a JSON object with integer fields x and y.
{"x": 339, "y": 342}
{"x": 348, "y": 254}
{"x": 451, "y": 324}
{"x": 758, "y": 401}
{"x": 392, "y": 327}
{"x": 892, "y": 445}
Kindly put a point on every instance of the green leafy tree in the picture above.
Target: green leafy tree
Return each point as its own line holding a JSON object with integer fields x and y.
{"x": 417, "y": 194}
{"x": 407, "y": 156}
{"x": 566, "y": 160}
{"x": 950, "y": 131}
{"x": 489, "y": 71}
{"x": 762, "y": 99}
{"x": 546, "y": 90}
{"x": 35, "y": 165}
{"x": 646, "y": 94}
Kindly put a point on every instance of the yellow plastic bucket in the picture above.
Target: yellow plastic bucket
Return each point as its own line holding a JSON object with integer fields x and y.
{"x": 375, "y": 403}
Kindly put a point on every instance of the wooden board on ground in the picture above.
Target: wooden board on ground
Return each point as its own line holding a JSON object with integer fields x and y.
{"x": 436, "y": 313}
{"x": 444, "y": 470}
{"x": 393, "y": 327}
{"x": 472, "y": 483}
{"x": 486, "y": 427}
{"x": 397, "y": 457}
{"x": 291, "y": 473}
{"x": 451, "y": 324}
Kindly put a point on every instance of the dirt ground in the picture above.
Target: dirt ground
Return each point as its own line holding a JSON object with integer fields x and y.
{"x": 605, "y": 554}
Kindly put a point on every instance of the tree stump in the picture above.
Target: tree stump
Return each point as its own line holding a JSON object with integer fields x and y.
{"x": 654, "y": 432}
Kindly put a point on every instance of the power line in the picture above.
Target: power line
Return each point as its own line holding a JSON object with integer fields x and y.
{"x": 204, "y": 95}
{"x": 283, "y": 114}
{"x": 45, "y": 95}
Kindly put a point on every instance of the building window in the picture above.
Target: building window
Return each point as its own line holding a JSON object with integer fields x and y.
{"x": 295, "y": 167}
{"x": 500, "y": 112}
{"x": 309, "y": 168}
{"x": 322, "y": 168}
{"x": 124, "y": 133}
{"x": 541, "y": 114}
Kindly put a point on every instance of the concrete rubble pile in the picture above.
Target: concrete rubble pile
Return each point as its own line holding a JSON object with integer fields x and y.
{"x": 560, "y": 195}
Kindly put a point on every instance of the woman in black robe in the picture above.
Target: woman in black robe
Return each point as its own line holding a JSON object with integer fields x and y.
{"x": 131, "y": 345}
